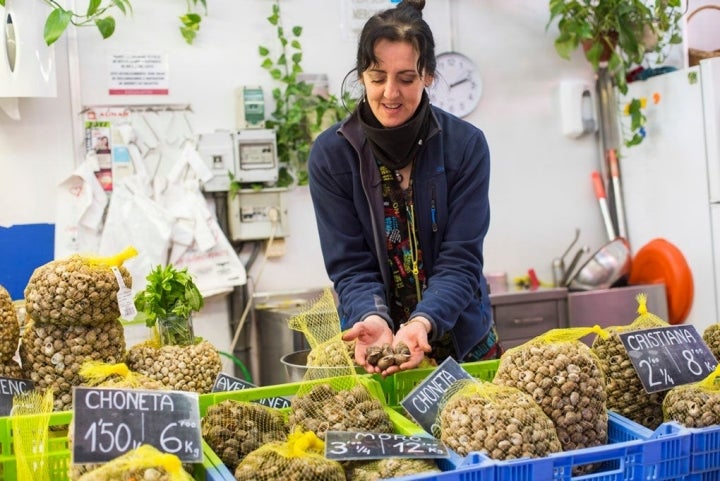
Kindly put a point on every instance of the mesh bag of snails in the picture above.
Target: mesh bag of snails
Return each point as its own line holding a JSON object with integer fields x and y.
{"x": 341, "y": 403}
{"x": 144, "y": 463}
{"x": 320, "y": 324}
{"x": 77, "y": 290}
{"x": 562, "y": 375}
{"x": 625, "y": 392}
{"x": 711, "y": 336}
{"x": 387, "y": 468}
{"x": 118, "y": 375}
{"x": 695, "y": 405}
{"x": 9, "y": 329}
{"x": 300, "y": 458}
{"x": 501, "y": 421}
{"x": 29, "y": 420}
{"x": 234, "y": 429}
{"x": 73, "y": 316}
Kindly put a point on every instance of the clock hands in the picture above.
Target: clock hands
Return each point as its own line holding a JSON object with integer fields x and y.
{"x": 459, "y": 82}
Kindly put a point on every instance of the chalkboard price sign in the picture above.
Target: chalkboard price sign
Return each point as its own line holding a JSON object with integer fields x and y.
{"x": 9, "y": 388}
{"x": 110, "y": 422}
{"x": 665, "y": 357}
{"x": 344, "y": 445}
{"x": 422, "y": 402}
{"x": 223, "y": 382}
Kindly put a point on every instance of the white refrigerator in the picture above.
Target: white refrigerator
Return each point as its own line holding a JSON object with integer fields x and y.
{"x": 671, "y": 182}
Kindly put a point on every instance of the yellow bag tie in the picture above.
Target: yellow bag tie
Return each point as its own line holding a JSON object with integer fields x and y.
{"x": 571, "y": 334}
{"x": 710, "y": 382}
{"x": 142, "y": 457}
{"x": 95, "y": 372}
{"x": 642, "y": 303}
{"x": 301, "y": 444}
{"x": 112, "y": 261}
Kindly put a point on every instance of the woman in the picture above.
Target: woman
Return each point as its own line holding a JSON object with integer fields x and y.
{"x": 400, "y": 192}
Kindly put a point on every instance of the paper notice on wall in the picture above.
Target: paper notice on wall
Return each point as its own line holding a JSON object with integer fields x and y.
{"x": 356, "y": 12}
{"x": 97, "y": 141}
{"x": 138, "y": 74}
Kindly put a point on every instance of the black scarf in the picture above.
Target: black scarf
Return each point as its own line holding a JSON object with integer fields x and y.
{"x": 396, "y": 147}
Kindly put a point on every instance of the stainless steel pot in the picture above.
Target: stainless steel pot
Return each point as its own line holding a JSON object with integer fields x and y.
{"x": 609, "y": 266}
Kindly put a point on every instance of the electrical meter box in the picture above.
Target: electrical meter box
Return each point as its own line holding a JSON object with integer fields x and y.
{"x": 256, "y": 156}
{"x": 258, "y": 214}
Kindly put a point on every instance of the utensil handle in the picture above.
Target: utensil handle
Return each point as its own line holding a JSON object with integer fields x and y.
{"x": 619, "y": 207}
{"x": 602, "y": 201}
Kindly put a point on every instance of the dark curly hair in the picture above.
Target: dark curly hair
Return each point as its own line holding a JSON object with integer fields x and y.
{"x": 403, "y": 23}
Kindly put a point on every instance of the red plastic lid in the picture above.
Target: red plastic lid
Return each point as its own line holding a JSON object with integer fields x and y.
{"x": 660, "y": 261}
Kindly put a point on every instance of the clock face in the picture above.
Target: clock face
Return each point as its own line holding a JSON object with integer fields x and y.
{"x": 457, "y": 87}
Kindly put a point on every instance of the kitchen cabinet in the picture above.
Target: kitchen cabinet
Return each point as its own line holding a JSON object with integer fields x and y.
{"x": 522, "y": 315}
{"x": 615, "y": 307}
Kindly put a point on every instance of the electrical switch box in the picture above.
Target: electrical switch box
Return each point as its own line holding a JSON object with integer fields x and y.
{"x": 258, "y": 214}
{"x": 217, "y": 149}
{"x": 249, "y": 107}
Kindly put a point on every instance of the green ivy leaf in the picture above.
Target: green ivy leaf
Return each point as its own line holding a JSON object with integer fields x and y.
{"x": 263, "y": 51}
{"x": 106, "y": 26}
{"x": 92, "y": 7}
{"x": 123, "y": 5}
{"x": 191, "y": 20}
{"x": 188, "y": 33}
{"x": 56, "y": 23}
{"x": 297, "y": 30}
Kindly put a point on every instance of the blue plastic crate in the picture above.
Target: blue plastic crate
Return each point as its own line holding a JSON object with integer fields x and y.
{"x": 633, "y": 453}
{"x": 473, "y": 467}
{"x": 704, "y": 454}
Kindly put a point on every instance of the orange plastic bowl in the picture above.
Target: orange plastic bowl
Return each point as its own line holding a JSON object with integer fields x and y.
{"x": 661, "y": 262}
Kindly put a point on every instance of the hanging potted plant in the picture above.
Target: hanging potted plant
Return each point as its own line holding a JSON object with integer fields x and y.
{"x": 99, "y": 14}
{"x": 618, "y": 35}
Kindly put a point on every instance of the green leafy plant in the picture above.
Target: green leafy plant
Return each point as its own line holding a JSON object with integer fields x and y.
{"x": 299, "y": 114}
{"x": 99, "y": 14}
{"x": 170, "y": 296}
{"x": 190, "y": 22}
{"x": 618, "y": 35}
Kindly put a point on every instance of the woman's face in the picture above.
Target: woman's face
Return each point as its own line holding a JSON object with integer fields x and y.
{"x": 394, "y": 87}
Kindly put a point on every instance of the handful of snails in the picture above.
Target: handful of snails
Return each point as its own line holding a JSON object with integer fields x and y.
{"x": 385, "y": 356}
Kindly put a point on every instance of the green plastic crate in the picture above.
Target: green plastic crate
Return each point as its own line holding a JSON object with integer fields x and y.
{"x": 58, "y": 454}
{"x": 397, "y": 386}
{"x": 402, "y": 424}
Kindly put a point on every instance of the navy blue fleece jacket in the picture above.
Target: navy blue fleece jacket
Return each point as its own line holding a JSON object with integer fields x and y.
{"x": 450, "y": 187}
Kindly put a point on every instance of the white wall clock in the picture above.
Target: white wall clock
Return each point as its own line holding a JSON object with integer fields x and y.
{"x": 457, "y": 87}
